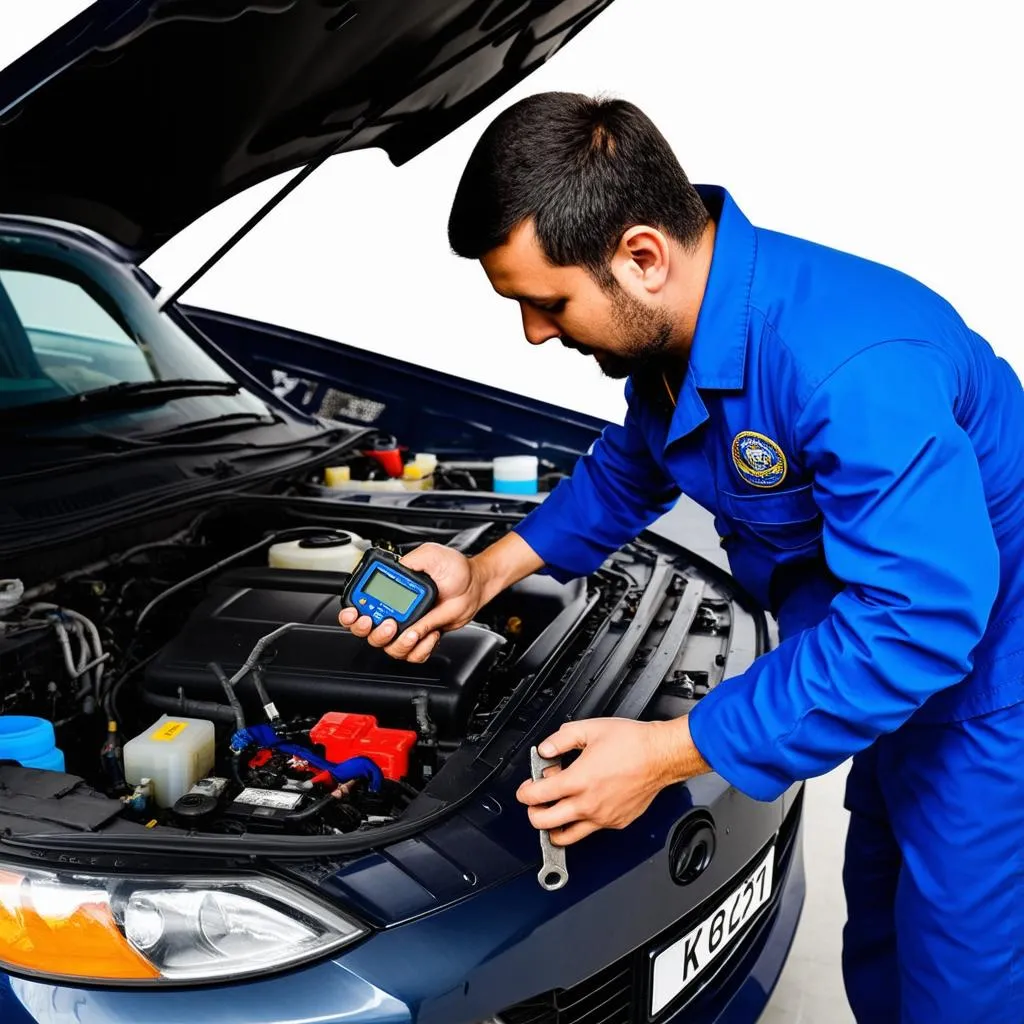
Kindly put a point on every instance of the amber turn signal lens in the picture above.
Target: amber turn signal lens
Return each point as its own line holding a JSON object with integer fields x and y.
{"x": 64, "y": 932}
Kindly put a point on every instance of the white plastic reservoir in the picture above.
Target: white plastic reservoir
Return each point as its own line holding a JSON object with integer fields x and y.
{"x": 516, "y": 474}
{"x": 331, "y": 552}
{"x": 174, "y": 752}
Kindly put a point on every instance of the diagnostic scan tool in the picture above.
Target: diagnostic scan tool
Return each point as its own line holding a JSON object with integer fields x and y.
{"x": 383, "y": 588}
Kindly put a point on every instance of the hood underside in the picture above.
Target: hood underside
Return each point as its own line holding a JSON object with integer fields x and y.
{"x": 138, "y": 117}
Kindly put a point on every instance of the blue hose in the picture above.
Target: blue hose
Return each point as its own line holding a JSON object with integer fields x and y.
{"x": 347, "y": 771}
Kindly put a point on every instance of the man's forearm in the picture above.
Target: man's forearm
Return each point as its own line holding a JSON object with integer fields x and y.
{"x": 505, "y": 562}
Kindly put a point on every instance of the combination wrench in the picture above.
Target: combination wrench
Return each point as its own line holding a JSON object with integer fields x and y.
{"x": 553, "y": 873}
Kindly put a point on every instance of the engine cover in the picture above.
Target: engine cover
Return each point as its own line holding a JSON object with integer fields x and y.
{"x": 319, "y": 666}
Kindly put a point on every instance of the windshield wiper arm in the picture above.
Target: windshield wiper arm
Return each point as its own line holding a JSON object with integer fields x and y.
{"x": 129, "y": 395}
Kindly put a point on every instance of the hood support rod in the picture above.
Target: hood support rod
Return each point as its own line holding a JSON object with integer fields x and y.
{"x": 168, "y": 295}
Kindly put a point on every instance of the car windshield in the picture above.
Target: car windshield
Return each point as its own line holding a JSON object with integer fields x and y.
{"x": 72, "y": 325}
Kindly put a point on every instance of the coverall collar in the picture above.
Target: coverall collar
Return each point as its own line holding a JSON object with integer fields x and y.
{"x": 719, "y": 349}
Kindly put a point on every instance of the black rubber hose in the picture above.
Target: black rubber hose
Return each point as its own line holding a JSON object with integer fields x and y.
{"x": 236, "y": 704}
{"x": 192, "y": 708}
{"x": 236, "y": 768}
{"x": 261, "y": 691}
{"x": 254, "y": 655}
{"x": 311, "y": 811}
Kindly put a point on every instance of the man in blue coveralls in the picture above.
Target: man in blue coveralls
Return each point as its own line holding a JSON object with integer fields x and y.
{"x": 858, "y": 445}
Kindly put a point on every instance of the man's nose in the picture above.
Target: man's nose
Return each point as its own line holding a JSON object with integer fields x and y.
{"x": 539, "y": 328}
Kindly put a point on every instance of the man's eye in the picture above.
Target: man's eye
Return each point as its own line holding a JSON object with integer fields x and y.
{"x": 553, "y": 307}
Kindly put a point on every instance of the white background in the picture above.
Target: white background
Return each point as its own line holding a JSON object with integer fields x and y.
{"x": 890, "y": 128}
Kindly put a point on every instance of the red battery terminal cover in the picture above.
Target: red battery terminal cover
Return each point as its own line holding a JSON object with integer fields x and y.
{"x": 344, "y": 736}
{"x": 260, "y": 758}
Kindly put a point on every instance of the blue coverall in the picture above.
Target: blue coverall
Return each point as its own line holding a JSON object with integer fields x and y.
{"x": 859, "y": 448}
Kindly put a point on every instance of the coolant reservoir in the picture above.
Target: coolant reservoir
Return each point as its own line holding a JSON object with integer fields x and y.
{"x": 332, "y": 552}
{"x": 175, "y": 753}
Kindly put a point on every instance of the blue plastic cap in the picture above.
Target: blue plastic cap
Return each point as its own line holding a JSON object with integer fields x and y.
{"x": 29, "y": 741}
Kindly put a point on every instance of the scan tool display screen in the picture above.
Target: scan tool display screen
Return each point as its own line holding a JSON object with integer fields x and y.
{"x": 390, "y": 592}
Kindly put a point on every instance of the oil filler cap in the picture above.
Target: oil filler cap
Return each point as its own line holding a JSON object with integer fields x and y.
{"x": 326, "y": 540}
{"x": 692, "y": 848}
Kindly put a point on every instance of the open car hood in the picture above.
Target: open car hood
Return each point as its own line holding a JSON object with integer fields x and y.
{"x": 136, "y": 118}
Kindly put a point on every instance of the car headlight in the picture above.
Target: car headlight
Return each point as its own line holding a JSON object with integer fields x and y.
{"x": 69, "y": 925}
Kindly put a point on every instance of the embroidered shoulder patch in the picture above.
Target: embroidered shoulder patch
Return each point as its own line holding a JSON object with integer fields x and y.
{"x": 758, "y": 459}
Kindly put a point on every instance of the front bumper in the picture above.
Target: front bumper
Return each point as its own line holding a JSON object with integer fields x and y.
{"x": 457, "y": 967}
{"x": 751, "y": 976}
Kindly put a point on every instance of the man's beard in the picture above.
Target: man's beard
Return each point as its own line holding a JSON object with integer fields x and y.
{"x": 643, "y": 332}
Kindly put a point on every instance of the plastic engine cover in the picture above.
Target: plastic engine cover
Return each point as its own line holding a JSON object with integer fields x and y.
{"x": 319, "y": 665}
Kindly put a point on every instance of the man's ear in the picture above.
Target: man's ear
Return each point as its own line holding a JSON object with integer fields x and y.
{"x": 641, "y": 260}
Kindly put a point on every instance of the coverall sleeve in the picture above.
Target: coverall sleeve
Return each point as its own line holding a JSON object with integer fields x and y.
{"x": 907, "y": 532}
{"x": 614, "y": 493}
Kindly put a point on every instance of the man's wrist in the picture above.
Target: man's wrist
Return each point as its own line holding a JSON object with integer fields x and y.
{"x": 681, "y": 758}
{"x": 503, "y": 563}
{"x": 487, "y": 575}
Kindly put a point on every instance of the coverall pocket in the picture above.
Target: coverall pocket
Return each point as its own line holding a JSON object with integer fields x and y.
{"x": 784, "y": 520}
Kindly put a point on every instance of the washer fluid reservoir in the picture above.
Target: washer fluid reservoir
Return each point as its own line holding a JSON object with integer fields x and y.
{"x": 329, "y": 552}
{"x": 175, "y": 753}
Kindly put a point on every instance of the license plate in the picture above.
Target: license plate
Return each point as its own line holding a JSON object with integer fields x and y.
{"x": 676, "y": 967}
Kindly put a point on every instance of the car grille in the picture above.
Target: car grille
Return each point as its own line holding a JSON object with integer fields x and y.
{"x": 605, "y": 998}
{"x": 617, "y": 995}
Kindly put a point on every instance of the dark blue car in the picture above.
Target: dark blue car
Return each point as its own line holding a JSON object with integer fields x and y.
{"x": 215, "y": 804}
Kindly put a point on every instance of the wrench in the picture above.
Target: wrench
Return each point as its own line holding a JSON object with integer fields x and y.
{"x": 553, "y": 873}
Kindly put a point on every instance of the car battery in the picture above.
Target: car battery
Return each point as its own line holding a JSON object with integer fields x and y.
{"x": 346, "y": 735}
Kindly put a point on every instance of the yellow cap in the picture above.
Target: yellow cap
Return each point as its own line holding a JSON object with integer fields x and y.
{"x": 412, "y": 472}
{"x": 335, "y": 476}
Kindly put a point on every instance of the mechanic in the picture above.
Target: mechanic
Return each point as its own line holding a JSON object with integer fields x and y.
{"x": 858, "y": 446}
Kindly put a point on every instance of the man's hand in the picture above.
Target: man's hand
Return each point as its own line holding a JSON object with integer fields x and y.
{"x": 459, "y": 597}
{"x": 623, "y": 767}
{"x": 464, "y": 586}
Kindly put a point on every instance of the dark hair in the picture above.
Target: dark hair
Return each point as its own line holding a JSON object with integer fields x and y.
{"x": 584, "y": 169}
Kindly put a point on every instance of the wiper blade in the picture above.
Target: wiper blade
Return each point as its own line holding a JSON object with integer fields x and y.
{"x": 217, "y": 424}
{"x": 129, "y": 395}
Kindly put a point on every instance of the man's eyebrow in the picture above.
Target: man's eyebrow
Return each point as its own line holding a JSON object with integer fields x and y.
{"x": 539, "y": 300}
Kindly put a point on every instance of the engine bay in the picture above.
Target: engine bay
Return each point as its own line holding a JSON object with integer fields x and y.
{"x": 203, "y": 682}
{"x": 200, "y": 683}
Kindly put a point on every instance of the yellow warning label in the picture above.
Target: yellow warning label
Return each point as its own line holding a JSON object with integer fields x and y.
{"x": 169, "y": 731}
